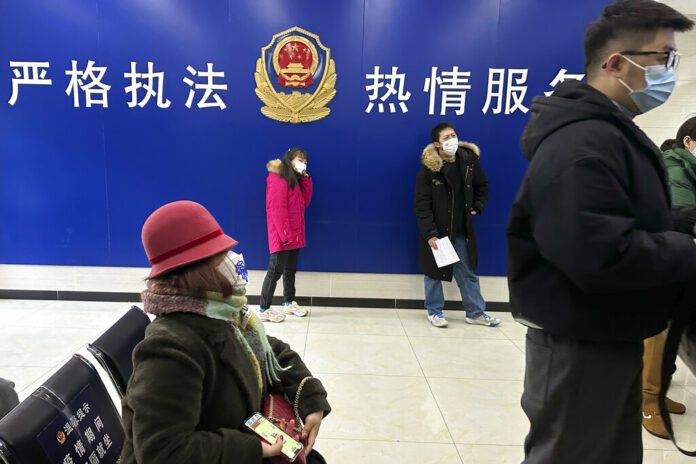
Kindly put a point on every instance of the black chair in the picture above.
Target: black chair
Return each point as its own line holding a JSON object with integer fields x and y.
{"x": 8, "y": 397}
{"x": 71, "y": 414}
{"x": 114, "y": 348}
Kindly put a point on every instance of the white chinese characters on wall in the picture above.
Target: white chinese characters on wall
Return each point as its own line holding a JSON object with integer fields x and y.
{"x": 447, "y": 90}
{"x": 88, "y": 85}
{"x": 387, "y": 90}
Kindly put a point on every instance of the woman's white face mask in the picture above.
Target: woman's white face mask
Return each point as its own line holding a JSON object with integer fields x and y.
{"x": 693, "y": 145}
{"x": 234, "y": 269}
{"x": 299, "y": 166}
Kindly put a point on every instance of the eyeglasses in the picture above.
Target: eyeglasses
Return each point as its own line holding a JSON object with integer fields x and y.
{"x": 672, "y": 57}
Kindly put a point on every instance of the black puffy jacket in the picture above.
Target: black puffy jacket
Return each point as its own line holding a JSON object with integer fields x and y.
{"x": 592, "y": 250}
{"x": 434, "y": 208}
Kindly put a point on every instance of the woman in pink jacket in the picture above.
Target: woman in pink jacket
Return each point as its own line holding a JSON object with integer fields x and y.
{"x": 288, "y": 192}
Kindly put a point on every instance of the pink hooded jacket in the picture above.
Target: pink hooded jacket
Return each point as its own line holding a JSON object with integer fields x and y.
{"x": 285, "y": 209}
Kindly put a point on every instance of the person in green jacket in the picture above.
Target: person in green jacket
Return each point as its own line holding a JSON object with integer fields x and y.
{"x": 206, "y": 364}
{"x": 680, "y": 160}
{"x": 679, "y": 156}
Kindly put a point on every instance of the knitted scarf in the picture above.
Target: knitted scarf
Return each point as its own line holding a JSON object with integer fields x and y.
{"x": 161, "y": 299}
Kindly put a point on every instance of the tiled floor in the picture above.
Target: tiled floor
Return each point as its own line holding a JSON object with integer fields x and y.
{"x": 402, "y": 391}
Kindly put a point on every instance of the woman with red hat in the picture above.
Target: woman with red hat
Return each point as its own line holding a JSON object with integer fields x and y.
{"x": 288, "y": 193}
{"x": 205, "y": 363}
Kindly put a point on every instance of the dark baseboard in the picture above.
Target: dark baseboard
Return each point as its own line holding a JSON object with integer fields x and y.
{"x": 344, "y": 302}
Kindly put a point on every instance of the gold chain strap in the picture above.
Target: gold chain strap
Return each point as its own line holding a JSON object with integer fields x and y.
{"x": 276, "y": 421}
{"x": 296, "y": 406}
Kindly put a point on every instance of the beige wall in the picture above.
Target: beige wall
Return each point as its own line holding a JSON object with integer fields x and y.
{"x": 684, "y": 6}
{"x": 663, "y": 122}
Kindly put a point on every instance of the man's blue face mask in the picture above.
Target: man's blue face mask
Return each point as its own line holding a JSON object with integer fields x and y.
{"x": 661, "y": 82}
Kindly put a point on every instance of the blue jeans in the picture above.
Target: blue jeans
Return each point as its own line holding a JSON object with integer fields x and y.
{"x": 467, "y": 281}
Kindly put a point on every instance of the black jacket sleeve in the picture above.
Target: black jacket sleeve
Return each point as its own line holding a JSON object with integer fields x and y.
{"x": 313, "y": 395}
{"x": 583, "y": 224}
{"x": 480, "y": 186}
{"x": 423, "y": 206}
{"x": 684, "y": 219}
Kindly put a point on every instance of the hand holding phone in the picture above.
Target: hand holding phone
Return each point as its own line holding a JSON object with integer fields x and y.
{"x": 268, "y": 451}
{"x": 270, "y": 434}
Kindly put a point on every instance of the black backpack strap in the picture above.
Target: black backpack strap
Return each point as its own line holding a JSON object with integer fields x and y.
{"x": 674, "y": 336}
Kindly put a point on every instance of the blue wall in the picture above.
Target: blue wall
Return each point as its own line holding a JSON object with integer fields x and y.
{"x": 76, "y": 184}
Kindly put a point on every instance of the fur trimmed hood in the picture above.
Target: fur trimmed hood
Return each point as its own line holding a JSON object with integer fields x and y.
{"x": 274, "y": 166}
{"x": 431, "y": 158}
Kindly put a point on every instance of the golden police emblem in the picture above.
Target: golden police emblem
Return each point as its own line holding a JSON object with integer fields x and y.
{"x": 295, "y": 77}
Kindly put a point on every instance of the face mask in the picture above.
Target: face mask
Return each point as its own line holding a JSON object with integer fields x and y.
{"x": 693, "y": 150}
{"x": 450, "y": 146}
{"x": 300, "y": 166}
{"x": 234, "y": 269}
{"x": 661, "y": 82}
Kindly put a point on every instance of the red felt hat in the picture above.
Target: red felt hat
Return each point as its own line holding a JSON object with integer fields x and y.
{"x": 180, "y": 233}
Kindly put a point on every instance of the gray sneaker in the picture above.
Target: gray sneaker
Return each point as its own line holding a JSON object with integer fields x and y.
{"x": 438, "y": 320}
{"x": 271, "y": 315}
{"x": 483, "y": 319}
{"x": 294, "y": 309}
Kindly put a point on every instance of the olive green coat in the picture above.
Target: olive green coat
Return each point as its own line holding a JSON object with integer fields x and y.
{"x": 681, "y": 172}
{"x": 193, "y": 386}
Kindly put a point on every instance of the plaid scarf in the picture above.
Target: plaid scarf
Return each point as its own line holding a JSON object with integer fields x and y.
{"x": 161, "y": 299}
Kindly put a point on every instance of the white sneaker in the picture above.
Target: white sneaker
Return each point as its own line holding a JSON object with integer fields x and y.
{"x": 483, "y": 319}
{"x": 294, "y": 309}
{"x": 271, "y": 315}
{"x": 438, "y": 320}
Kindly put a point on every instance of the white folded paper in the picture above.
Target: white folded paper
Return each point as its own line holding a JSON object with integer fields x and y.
{"x": 445, "y": 254}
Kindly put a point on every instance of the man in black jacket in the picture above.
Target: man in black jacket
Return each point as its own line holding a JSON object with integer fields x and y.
{"x": 594, "y": 262}
{"x": 451, "y": 187}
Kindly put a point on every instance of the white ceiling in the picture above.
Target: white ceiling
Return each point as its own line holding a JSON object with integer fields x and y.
{"x": 683, "y": 6}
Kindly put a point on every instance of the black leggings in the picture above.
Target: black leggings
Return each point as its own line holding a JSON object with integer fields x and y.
{"x": 282, "y": 263}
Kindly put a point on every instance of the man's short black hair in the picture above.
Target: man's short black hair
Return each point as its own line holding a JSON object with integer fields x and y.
{"x": 435, "y": 131}
{"x": 630, "y": 20}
